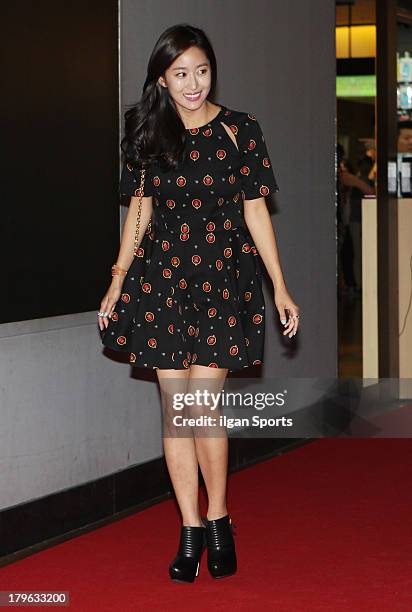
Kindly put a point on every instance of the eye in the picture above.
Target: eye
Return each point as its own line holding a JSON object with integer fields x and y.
{"x": 202, "y": 70}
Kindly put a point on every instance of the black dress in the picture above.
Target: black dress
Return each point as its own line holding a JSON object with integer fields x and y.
{"x": 193, "y": 293}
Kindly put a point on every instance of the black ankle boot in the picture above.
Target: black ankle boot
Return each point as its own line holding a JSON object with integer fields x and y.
{"x": 221, "y": 553}
{"x": 185, "y": 566}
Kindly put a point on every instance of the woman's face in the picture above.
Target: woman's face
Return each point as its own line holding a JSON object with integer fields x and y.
{"x": 188, "y": 79}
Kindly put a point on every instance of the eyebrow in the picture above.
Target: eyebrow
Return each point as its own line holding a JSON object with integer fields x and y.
{"x": 184, "y": 67}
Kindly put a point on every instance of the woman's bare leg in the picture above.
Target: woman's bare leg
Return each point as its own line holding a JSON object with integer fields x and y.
{"x": 211, "y": 443}
{"x": 179, "y": 447}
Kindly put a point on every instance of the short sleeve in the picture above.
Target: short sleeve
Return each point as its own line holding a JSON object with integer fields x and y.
{"x": 130, "y": 182}
{"x": 258, "y": 179}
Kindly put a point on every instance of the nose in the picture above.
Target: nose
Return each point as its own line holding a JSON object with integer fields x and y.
{"x": 193, "y": 80}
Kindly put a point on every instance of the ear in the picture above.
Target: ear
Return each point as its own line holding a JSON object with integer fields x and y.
{"x": 161, "y": 81}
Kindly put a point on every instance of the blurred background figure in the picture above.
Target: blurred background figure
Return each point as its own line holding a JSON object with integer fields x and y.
{"x": 405, "y": 136}
{"x": 351, "y": 189}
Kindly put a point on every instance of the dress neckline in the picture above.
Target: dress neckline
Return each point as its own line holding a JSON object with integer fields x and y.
{"x": 209, "y": 123}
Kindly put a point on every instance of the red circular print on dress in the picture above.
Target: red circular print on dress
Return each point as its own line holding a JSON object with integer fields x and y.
{"x": 170, "y": 328}
{"x": 132, "y": 358}
{"x": 194, "y": 131}
{"x": 227, "y": 224}
{"x": 256, "y": 362}
{"x": 182, "y": 283}
{"x": 184, "y": 237}
{"x": 247, "y": 296}
{"x": 227, "y": 252}
{"x": 196, "y": 203}
{"x": 245, "y": 170}
{"x": 129, "y": 166}
{"x": 169, "y": 302}
{"x": 165, "y": 245}
{"x": 231, "y": 321}
{"x": 125, "y": 298}
{"x": 234, "y": 129}
{"x": 175, "y": 261}
{"x": 212, "y": 364}
{"x": 167, "y": 273}
{"x": 207, "y": 132}
{"x": 184, "y": 228}
{"x": 149, "y": 316}
{"x": 181, "y": 181}
{"x": 170, "y": 203}
{"x": 211, "y": 340}
{"x": 252, "y": 144}
{"x": 191, "y": 330}
{"x": 234, "y": 349}
{"x": 232, "y": 179}
{"x": 115, "y": 316}
{"x": 152, "y": 342}
{"x": 212, "y": 312}
{"x": 210, "y": 237}
{"x": 221, "y": 201}
{"x": 264, "y": 191}
{"x": 194, "y": 155}
{"x": 185, "y": 363}
{"x": 257, "y": 318}
{"x": 219, "y": 264}
{"x": 210, "y": 226}
{"x": 221, "y": 154}
{"x": 140, "y": 252}
{"x": 121, "y": 340}
{"x": 196, "y": 259}
{"x": 206, "y": 286}
{"x": 147, "y": 287}
{"x": 207, "y": 180}
{"x": 225, "y": 294}
{"x": 156, "y": 181}
{"x": 245, "y": 247}
{"x": 266, "y": 162}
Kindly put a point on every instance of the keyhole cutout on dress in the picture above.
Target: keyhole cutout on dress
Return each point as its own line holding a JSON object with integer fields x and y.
{"x": 230, "y": 134}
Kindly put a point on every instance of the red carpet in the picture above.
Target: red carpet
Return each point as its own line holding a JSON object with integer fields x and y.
{"x": 324, "y": 527}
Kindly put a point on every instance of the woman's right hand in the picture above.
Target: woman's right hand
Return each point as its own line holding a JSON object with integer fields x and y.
{"x": 109, "y": 301}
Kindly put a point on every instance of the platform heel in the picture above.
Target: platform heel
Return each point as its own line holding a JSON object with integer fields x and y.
{"x": 221, "y": 550}
{"x": 185, "y": 566}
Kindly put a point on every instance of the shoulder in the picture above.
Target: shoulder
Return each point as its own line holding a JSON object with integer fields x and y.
{"x": 237, "y": 115}
{"x": 242, "y": 123}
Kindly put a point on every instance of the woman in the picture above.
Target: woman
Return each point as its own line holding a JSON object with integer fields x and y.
{"x": 190, "y": 304}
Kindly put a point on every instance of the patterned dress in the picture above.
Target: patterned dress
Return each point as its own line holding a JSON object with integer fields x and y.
{"x": 193, "y": 293}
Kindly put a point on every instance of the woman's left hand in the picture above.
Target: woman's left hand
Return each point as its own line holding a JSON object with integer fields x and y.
{"x": 284, "y": 302}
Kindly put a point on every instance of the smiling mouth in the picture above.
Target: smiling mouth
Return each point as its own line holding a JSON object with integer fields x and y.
{"x": 192, "y": 96}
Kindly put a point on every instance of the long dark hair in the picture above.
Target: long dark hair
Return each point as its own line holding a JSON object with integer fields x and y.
{"x": 154, "y": 130}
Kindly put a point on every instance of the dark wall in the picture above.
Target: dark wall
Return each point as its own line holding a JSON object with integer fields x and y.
{"x": 60, "y": 130}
